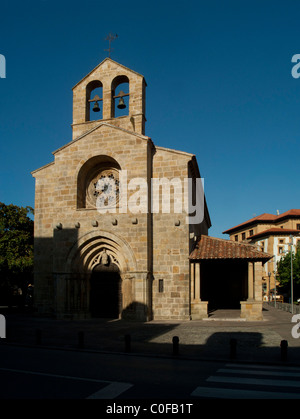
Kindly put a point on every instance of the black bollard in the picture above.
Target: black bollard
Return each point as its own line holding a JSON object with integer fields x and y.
{"x": 80, "y": 340}
{"x": 233, "y": 343}
{"x": 38, "y": 336}
{"x": 175, "y": 341}
{"x": 283, "y": 346}
{"x": 127, "y": 339}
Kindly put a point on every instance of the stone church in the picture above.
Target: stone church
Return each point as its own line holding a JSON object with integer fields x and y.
{"x": 128, "y": 264}
{"x": 103, "y": 248}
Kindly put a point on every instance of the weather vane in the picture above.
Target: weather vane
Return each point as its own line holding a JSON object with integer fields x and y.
{"x": 110, "y": 38}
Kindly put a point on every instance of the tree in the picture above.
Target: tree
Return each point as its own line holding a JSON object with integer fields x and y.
{"x": 284, "y": 273}
{"x": 16, "y": 248}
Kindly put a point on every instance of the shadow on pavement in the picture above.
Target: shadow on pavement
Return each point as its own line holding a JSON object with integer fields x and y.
{"x": 211, "y": 340}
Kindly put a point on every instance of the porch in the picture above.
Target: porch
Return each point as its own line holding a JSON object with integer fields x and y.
{"x": 226, "y": 275}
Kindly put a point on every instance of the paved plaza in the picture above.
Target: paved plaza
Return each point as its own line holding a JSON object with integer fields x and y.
{"x": 211, "y": 339}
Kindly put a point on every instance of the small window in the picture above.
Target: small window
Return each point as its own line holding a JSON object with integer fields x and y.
{"x": 251, "y": 233}
{"x": 243, "y": 236}
{"x": 298, "y": 226}
{"x": 160, "y": 285}
{"x": 236, "y": 238}
{"x": 280, "y": 250}
{"x": 281, "y": 241}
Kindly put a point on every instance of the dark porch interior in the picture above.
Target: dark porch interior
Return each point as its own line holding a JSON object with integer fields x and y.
{"x": 224, "y": 283}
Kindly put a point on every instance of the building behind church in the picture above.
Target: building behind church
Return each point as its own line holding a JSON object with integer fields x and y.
{"x": 275, "y": 234}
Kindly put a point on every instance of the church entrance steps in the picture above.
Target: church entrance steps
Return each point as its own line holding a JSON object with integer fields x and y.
{"x": 224, "y": 315}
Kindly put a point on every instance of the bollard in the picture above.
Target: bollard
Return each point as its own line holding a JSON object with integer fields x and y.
{"x": 2, "y": 327}
{"x": 175, "y": 345}
{"x": 127, "y": 339}
{"x": 80, "y": 340}
{"x": 283, "y": 346}
{"x": 38, "y": 336}
{"x": 233, "y": 343}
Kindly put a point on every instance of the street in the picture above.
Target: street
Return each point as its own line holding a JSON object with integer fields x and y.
{"x": 40, "y": 373}
{"x": 43, "y": 373}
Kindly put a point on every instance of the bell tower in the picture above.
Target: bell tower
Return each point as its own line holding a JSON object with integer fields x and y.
{"x": 110, "y": 93}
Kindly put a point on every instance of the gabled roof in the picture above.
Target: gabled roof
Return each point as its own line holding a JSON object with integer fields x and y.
{"x": 265, "y": 218}
{"x": 170, "y": 150}
{"x": 144, "y": 137}
{"x": 212, "y": 248}
{"x": 290, "y": 213}
{"x": 90, "y": 131}
{"x": 42, "y": 168}
{"x": 260, "y": 218}
{"x": 102, "y": 62}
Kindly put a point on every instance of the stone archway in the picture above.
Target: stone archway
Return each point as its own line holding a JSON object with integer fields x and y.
{"x": 108, "y": 266}
{"x": 87, "y": 251}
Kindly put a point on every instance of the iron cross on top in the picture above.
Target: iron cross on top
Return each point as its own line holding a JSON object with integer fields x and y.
{"x": 110, "y": 38}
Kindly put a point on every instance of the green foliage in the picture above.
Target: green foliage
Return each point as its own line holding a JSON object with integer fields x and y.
{"x": 16, "y": 245}
{"x": 284, "y": 272}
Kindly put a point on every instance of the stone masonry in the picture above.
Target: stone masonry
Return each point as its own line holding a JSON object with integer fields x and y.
{"x": 149, "y": 250}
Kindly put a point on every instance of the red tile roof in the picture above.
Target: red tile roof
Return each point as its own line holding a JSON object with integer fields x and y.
{"x": 215, "y": 248}
{"x": 266, "y": 218}
{"x": 292, "y": 212}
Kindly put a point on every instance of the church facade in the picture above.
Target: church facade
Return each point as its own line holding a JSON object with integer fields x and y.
{"x": 110, "y": 241}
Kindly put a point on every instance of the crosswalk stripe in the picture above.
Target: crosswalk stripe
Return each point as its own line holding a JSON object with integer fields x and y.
{"x": 241, "y": 377}
{"x": 254, "y": 381}
{"x": 229, "y": 393}
{"x": 265, "y": 367}
{"x": 111, "y": 391}
{"x": 254, "y": 372}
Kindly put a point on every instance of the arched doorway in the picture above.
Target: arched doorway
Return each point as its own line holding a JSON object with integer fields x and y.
{"x": 109, "y": 267}
{"x": 105, "y": 291}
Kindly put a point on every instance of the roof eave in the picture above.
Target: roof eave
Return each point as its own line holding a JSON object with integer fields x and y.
{"x": 115, "y": 62}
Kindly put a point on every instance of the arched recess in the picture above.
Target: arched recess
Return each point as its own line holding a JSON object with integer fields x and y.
{"x": 88, "y": 255}
{"x": 90, "y": 173}
{"x": 120, "y": 84}
{"x": 85, "y": 253}
{"x": 105, "y": 291}
{"x": 94, "y": 90}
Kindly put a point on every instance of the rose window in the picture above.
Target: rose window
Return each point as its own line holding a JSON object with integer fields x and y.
{"x": 104, "y": 189}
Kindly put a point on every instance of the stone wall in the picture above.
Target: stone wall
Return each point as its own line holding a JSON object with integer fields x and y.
{"x": 150, "y": 248}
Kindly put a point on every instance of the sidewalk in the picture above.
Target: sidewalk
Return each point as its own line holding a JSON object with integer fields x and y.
{"x": 258, "y": 342}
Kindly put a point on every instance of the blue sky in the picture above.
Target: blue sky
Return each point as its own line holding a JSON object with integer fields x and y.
{"x": 219, "y": 85}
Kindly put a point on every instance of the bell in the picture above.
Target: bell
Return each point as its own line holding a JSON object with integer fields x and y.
{"x": 121, "y": 104}
{"x": 96, "y": 107}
